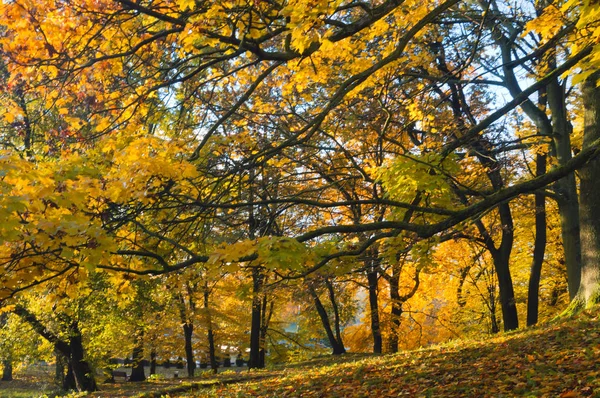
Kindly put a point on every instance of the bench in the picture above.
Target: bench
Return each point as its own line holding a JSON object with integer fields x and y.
{"x": 121, "y": 374}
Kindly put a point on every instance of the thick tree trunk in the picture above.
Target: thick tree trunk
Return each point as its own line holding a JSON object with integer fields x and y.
{"x": 137, "y": 367}
{"x": 83, "y": 373}
{"x": 188, "y": 330}
{"x": 539, "y": 248}
{"x": 566, "y": 188}
{"x": 69, "y": 380}
{"x": 7, "y": 370}
{"x": 80, "y": 375}
{"x": 588, "y": 293}
{"x": 337, "y": 346}
{"x": 254, "y": 361}
{"x": 372, "y": 280}
{"x": 153, "y": 362}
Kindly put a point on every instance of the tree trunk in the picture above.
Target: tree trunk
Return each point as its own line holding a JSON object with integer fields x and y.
{"x": 254, "y": 361}
{"x": 507, "y": 293}
{"x": 492, "y": 301}
{"x": 153, "y": 362}
{"x": 337, "y": 346}
{"x": 538, "y": 249}
{"x": 69, "y": 380}
{"x": 80, "y": 375}
{"x": 188, "y": 329}
{"x": 210, "y": 334}
{"x": 372, "y": 280}
{"x": 7, "y": 370}
{"x": 59, "y": 369}
{"x": 137, "y": 367}
{"x": 566, "y": 188}
{"x": 336, "y": 314}
{"x": 264, "y": 327}
{"x": 82, "y": 372}
{"x": 482, "y": 150}
{"x": 588, "y": 293}
{"x": 396, "y": 311}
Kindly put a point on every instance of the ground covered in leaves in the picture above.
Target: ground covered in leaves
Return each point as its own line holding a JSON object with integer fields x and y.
{"x": 561, "y": 359}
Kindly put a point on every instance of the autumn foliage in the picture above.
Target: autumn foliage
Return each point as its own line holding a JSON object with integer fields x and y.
{"x": 278, "y": 179}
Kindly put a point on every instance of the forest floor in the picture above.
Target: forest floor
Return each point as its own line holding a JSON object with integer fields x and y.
{"x": 560, "y": 359}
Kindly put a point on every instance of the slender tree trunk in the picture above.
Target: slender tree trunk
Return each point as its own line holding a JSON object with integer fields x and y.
{"x": 264, "y": 327}
{"x": 137, "y": 368}
{"x": 336, "y": 313}
{"x": 210, "y": 334}
{"x": 396, "y": 311}
{"x": 212, "y": 357}
{"x": 538, "y": 249}
{"x": 482, "y": 150}
{"x": 495, "y": 328}
{"x": 337, "y": 346}
{"x": 588, "y": 293}
{"x": 188, "y": 331}
{"x": 507, "y": 293}
{"x": 254, "y": 361}
{"x": 7, "y": 370}
{"x": 372, "y": 280}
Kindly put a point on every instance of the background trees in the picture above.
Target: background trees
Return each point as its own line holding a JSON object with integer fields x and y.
{"x": 266, "y": 152}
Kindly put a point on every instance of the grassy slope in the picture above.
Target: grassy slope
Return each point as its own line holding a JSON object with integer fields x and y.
{"x": 556, "y": 360}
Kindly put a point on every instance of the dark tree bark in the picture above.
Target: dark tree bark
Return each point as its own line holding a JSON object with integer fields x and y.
{"x": 69, "y": 380}
{"x": 494, "y": 327}
{"x": 153, "y": 361}
{"x": 210, "y": 334}
{"x": 482, "y": 150}
{"x": 7, "y": 370}
{"x": 539, "y": 248}
{"x": 188, "y": 331}
{"x": 372, "y": 281}
{"x": 266, "y": 314}
{"x": 399, "y": 300}
{"x": 83, "y": 373}
{"x": 79, "y": 375}
{"x": 336, "y": 313}
{"x": 137, "y": 367}
{"x": 336, "y": 345}
{"x": 255, "y": 328}
{"x": 186, "y": 312}
{"x": 62, "y": 362}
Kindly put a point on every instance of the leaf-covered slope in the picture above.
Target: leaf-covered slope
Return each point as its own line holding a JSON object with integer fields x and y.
{"x": 561, "y": 360}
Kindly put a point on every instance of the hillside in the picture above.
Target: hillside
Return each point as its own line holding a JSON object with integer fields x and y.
{"x": 561, "y": 359}
{"x": 556, "y": 360}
